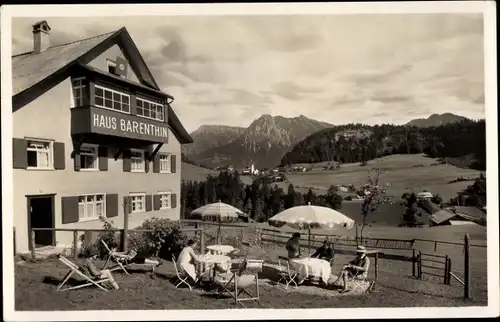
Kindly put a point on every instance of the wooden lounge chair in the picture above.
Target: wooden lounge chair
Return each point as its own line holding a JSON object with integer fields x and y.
{"x": 120, "y": 258}
{"x": 240, "y": 280}
{"x": 287, "y": 274}
{"x": 74, "y": 270}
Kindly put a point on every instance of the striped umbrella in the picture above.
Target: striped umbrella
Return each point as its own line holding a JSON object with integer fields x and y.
{"x": 311, "y": 217}
{"x": 217, "y": 212}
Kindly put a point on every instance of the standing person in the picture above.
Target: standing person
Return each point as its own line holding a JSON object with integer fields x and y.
{"x": 357, "y": 268}
{"x": 325, "y": 252}
{"x": 89, "y": 269}
{"x": 187, "y": 260}
{"x": 293, "y": 246}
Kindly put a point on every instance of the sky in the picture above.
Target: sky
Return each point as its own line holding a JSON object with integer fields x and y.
{"x": 339, "y": 69}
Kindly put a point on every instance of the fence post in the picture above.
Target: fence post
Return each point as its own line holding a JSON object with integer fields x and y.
{"x": 376, "y": 266}
{"x": 125, "y": 225}
{"x": 467, "y": 277}
{"x": 435, "y": 246}
{"x": 419, "y": 265}
{"x": 357, "y": 235}
{"x": 445, "y": 270}
{"x": 449, "y": 271}
{"x": 75, "y": 244}
{"x": 32, "y": 244}
{"x": 414, "y": 262}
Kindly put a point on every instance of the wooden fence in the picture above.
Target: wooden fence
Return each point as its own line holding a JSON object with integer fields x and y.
{"x": 123, "y": 236}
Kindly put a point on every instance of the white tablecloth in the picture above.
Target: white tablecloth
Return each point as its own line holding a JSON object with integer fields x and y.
{"x": 311, "y": 267}
{"x": 220, "y": 249}
{"x": 208, "y": 261}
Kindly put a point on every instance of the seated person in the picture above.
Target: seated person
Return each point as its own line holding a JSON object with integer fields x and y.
{"x": 293, "y": 246}
{"x": 88, "y": 268}
{"x": 325, "y": 252}
{"x": 357, "y": 268}
{"x": 187, "y": 260}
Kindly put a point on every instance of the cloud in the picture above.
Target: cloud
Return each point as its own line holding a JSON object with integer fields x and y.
{"x": 334, "y": 68}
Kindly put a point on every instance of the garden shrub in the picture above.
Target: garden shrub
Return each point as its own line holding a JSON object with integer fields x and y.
{"x": 162, "y": 239}
{"x": 110, "y": 237}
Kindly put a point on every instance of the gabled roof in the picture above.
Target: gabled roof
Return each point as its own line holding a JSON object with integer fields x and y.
{"x": 469, "y": 212}
{"x": 441, "y": 216}
{"x": 30, "y": 68}
{"x": 36, "y": 72}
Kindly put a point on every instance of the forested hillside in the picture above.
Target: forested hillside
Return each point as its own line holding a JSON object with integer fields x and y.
{"x": 360, "y": 143}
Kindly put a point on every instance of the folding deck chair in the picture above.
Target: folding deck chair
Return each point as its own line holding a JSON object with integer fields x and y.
{"x": 74, "y": 270}
{"x": 287, "y": 274}
{"x": 239, "y": 282}
{"x": 121, "y": 258}
{"x": 182, "y": 277}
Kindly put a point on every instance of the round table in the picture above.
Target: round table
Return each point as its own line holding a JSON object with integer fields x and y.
{"x": 207, "y": 262}
{"x": 220, "y": 249}
{"x": 311, "y": 267}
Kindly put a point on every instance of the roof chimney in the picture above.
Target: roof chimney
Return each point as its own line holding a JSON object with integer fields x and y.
{"x": 41, "y": 36}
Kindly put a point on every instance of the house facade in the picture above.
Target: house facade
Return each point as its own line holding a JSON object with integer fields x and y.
{"x": 94, "y": 138}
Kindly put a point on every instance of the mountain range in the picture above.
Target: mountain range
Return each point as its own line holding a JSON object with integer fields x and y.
{"x": 436, "y": 120}
{"x": 269, "y": 138}
{"x": 263, "y": 143}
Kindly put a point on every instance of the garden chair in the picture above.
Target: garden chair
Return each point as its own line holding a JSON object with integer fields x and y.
{"x": 287, "y": 274}
{"x": 182, "y": 277}
{"x": 74, "y": 270}
{"x": 122, "y": 259}
{"x": 240, "y": 280}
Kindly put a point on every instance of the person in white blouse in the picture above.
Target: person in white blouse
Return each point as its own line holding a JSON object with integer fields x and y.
{"x": 187, "y": 260}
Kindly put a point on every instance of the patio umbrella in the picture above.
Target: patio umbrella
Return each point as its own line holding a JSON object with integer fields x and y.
{"x": 217, "y": 212}
{"x": 311, "y": 217}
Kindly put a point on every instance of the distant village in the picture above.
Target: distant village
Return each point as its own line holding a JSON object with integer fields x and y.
{"x": 439, "y": 214}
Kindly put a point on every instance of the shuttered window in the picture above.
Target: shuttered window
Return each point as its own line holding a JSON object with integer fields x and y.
{"x": 89, "y": 157}
{"x": 165, "y": 164}
{"x": 165, "y": 200}
{"x": 91, "y": 207}
{"x": 137, "y": 161}
{"x": 40, "y": 154}
{"x": 138, "y": 201}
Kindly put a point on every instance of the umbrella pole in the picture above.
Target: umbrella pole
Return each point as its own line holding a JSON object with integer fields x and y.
{"x": 309, "y": 241}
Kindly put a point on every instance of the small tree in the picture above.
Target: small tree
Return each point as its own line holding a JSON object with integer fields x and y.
{"x": 375, "y": 195}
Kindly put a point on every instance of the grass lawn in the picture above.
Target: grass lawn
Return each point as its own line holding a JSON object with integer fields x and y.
{"x": 35, "y": 289}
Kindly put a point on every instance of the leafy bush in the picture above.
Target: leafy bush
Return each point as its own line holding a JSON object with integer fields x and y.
{"x": 110, "y": 237}
{"x": 162, "y": 238}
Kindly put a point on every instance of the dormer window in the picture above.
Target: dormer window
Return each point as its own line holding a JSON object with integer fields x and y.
{"x": 111, "y": 67}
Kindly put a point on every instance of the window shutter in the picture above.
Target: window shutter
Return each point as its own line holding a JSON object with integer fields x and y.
{"x": 146, "y": 161}
{"x": 156, "y": 202}
{"x": 59, "y": 156}
{"x": 127, "y": 161}
{"x": 19, "y": 153}
{"x": 173, "y": 163}
{"x": 173, "y": 203}
{"x": 69, "y": 209}
{"x": 103, "y": 158}
{"x": 149, "y": 202}
{"x": 127, "y": 204}
{"x": 156, "y": 163}
{"x": 111, "y": 205}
